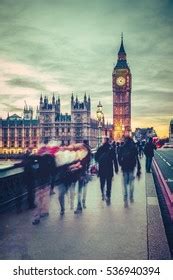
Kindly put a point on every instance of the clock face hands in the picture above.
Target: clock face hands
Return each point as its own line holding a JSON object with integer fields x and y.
{"x": 120, "y": 81}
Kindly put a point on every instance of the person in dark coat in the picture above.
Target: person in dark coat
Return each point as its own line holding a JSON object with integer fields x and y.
{"x": 30, "y": 176}
{"x": 106, "y": 158}
{"x": 149, "y": 154}
{"x": 129, "y": 161}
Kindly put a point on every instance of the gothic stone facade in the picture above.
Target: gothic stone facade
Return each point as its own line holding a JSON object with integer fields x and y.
{"x": 19, "y": 134}
{"x": 121, "y": 84}
{"x": 74, "y": 128}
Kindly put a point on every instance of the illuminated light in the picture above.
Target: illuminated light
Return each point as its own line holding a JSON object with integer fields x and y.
{"x": 155, "y": 139}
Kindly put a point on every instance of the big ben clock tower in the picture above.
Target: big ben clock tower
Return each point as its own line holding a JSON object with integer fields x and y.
{"x": 121, "y": 83}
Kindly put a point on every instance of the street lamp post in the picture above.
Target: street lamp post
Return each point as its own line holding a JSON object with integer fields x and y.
{"x": 100, "y": 117}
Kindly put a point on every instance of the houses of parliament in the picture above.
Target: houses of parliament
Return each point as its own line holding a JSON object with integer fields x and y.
{"x": 20, "y": 134}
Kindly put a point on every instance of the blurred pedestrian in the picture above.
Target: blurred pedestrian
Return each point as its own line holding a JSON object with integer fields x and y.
{"x": 52, "y": 185}
{"x": 129, "y": 161}
{"x": 46, "y": 169}
{"x": 81, "y": 193}
{"x": 71, "y": 174}
{"x": 31, "y": 167}
{"x": 84, "y": 178}
{"x": 106, "y": 158}
{"x": 118, "y": 147}
{"x": 114, "y": 146}
{"x": 149, "y": 154}
{"x": 63, "y": 188}
{"x": 140, "y": 149}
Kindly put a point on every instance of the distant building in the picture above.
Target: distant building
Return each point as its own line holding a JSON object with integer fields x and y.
{"x": 74, "y": 128}
{"x": 171, "y": 131}
{"x": 19, "y": 134}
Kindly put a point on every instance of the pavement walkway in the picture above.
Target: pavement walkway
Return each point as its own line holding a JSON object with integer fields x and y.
{"x": 99, "y": 232}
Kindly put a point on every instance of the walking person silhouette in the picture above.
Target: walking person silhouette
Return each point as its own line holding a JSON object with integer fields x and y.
{"x": 129, "y": 161}
{"x": 106, "y": 158}
{"x": 149, "y": 154}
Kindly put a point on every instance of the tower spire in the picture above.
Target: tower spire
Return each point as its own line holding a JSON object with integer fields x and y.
{"x": 53, "y": 99}
{"x": 41, "y": 99}
{"x": 122, "y": 50}
{"x": 121, "y": 62}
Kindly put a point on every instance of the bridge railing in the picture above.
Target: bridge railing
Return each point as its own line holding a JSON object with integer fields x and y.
{"x": 12, "y": 188}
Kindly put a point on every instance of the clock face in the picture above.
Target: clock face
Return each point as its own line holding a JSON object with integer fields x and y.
{"x": 120, "y": 81}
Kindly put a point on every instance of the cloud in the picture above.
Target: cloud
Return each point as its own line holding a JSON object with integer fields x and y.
{"x": 25, "y": 83}
{"x": 66, "y": 46}
{"x": 11, "y": 107}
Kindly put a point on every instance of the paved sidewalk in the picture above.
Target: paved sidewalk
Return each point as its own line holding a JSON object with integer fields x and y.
{"x": 100, "y": 232}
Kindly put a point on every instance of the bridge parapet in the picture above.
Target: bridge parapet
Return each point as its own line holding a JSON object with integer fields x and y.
{"x": 12, "y": 188}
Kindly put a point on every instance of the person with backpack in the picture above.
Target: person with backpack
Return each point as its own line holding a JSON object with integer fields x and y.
{"x": 149, "y": 154}
{"x": 129, "y": 161}
{"x": 106, "y": 158}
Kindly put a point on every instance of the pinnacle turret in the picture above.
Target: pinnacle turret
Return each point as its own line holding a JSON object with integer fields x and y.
{"x": 121, "y": 62}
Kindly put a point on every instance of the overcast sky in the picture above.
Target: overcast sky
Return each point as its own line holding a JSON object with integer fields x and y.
{"x": 66, "y": 46}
